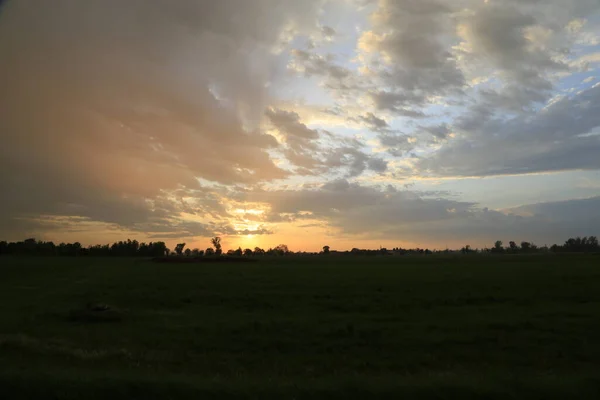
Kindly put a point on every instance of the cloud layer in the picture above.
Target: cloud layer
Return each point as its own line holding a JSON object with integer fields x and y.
{"x": 163, "y": 119}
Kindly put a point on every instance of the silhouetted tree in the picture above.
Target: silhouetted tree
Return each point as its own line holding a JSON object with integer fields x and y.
{"x": 247, "y": 252}
{"x": 526, "y": 247}
{"x": 498, "y": 247}
{"x": 179, "y": 248}
{"x": 188, "y": 252}
{"x": 216, "y": 242}
{"x": 325, "y": 249}
{"x": 103, "y": 250}
{"x": 159, "y": 249}
{"x": 209, "y": 252}
{"x": 29, "y": 246}
{"x": 281, "y": 250}
{"x": 580, "y": 244}
{"x": 258, "y": 251}
{"x": 513, "y": 246}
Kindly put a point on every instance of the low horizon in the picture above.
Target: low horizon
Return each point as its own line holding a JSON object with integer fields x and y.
{"x": 577, "y": 244}
{"x": 346, "y": 123}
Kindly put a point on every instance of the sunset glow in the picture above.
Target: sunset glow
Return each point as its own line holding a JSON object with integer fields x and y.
{"x": 348, "y": 123}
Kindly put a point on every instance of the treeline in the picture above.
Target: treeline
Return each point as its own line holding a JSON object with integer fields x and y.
{"x": 578, "y": 244}
{"x": 280, "y": 250}
{"x": 586, "y": 244}
{"x": 133, "y": 248}
{"x": 129, "y": 248}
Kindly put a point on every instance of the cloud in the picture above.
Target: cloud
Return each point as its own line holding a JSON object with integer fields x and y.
{"x": 400, "y": 103}
{"x": 512, "y": 43}
{"x": 342, "y": 82}
{"x": 408, "y": 51}
{"x": 504, "y": 55}
{"x": 107, "y": 104}
{"x": 439, "y": 132}
{"x": 316, "y": 64}
{"x": 288, "y": 122}
{"x": 158, "y": 117}
{"x": 397, "y": 144}
{"x": 317, "y": 158}
{"x": 355, "y": 160}
{"x": 377, "y": 165}
{"x": 562, "y": 136}
{"x": 328, "y": 31}
{"x": 326, "y": 34}
{"x": 387, "y": 213}
{"x": 301, "y": 140}
{"x": 373, "y": 122}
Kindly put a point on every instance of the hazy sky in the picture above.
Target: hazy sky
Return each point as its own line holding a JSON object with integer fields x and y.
{"x": 349, "y": 123}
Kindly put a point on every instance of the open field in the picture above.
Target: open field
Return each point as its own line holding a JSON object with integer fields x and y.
{"x": 325, "y": 327}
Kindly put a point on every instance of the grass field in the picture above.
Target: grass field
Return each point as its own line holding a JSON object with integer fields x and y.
{"x": 326, "y": 327}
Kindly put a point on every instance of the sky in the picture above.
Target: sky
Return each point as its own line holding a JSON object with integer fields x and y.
{"x": 347, "y": 123}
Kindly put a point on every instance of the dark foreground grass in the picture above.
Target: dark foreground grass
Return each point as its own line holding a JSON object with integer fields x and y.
{"x": 329, "y": 327}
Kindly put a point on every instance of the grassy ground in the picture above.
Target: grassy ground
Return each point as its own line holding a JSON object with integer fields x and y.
{"x": 328, "y": 327}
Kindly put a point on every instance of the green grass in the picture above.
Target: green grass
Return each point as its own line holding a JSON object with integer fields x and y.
{"x": 328, "y": 327}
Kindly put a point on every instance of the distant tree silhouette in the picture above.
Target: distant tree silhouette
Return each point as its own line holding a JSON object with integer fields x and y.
{"x": 281, "y": 250}
{"x": 158, "y": 249}
{"x": 580, "y": 244}
{"x": 3, "y": 247}
{"x": 179, "y": 248}
{"x": 197, "y": 253}
{"x": 153, "y": 249}
{"x": 216, "y": 242}
{"x": 129, "y": 248}
{"x": 133, "y": 248}
{"x": 498, "y": 247}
